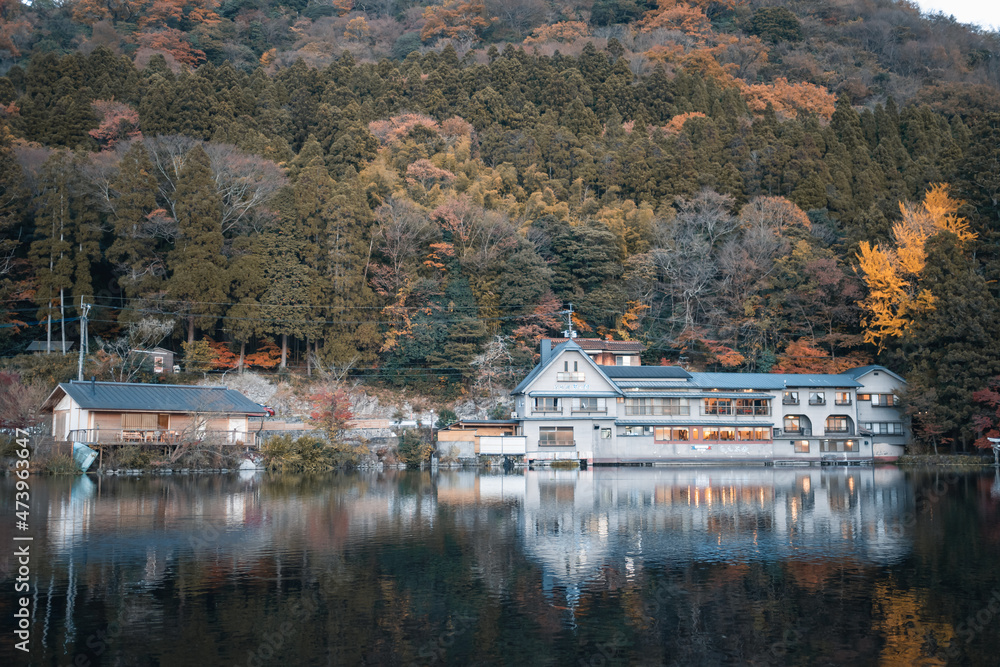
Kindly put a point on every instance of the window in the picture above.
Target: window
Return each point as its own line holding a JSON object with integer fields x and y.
{"x": 883, "y": 400}
{"x": 718, "y": 406}
{"x": 605, "y": 433}
{"x": 838, "y": 445}
{"x": 842, "y": 398}
{"x": 590, "y": 404}
{"x": 792, "y": 424}
{"x": 837, "y": 424}
{"x": 727, "y": 433}
{"x": 657, "y": 406}
{"x": 753, "y": 406}
{"x": 790, "y": 398}
{"x": 623, "y": 360}
{"x": 801, "y": 446}
{"x": 565, "y": 366}
{"x": 664, "y": 434}
{"x": 817, "y": 398}
{"x": 157, "y": 364}
{"x": 753, "y": 433}
{"x": 884, "y": 428}
{"x": 638, "y": 430}
{"x": 710, "y": 433}
{"x": 547, "y": 405}
{"x": 555, "y": 436}
{"x": 570, "y": 376}
{"x": 864, "y": 397}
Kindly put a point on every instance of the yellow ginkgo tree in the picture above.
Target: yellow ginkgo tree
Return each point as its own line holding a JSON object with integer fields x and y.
{"x": 891, "y": 271}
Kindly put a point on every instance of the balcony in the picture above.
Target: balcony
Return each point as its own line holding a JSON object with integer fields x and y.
{"x": 788, "y": 400}
{"x": 570, "y": 377}
{"x": 839, "y": 431}
{"x": 547, "y": 410}
{"x": 842, "y": 401}
{"x": 816, "y": 400}
{"x": 98, "y": 436}
{"x": 589, "y": 411}
{"x": 753, "y": 411}
{"x": 802, "y": 430}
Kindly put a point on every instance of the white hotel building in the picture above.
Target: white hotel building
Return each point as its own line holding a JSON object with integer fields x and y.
{"x": 571, "y": 408}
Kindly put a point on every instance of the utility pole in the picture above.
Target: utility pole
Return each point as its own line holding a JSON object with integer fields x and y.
{"x": 568, "y": 333}
{"x": 84, "y": 310}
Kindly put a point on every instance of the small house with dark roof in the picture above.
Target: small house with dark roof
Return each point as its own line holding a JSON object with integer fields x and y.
{"x": 607, "y": 352}
{"x": 43, "y": 347}
{"x": 122, "y": 412}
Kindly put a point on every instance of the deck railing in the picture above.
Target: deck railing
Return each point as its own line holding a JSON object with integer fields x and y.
{"x": 117, "y": 436}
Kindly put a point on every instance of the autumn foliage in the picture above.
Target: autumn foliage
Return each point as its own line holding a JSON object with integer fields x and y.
{"x": 458, "y": 19}
{"x": 891, "y": 271}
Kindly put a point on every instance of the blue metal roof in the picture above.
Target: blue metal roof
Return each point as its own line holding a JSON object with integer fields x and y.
{"x": 771, "y": 380}
{"x": 646, "y": 372}
{"x": 135, "y": 397}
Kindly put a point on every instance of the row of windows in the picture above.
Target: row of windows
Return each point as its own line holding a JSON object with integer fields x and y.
{"x": 802, "y": 446}
{"x": 833, "y": 424}
{"x": 791, "y": 397}
{"x": 879, "y": 400}
{"x": 883, "y": 428}
{"x": 682, "y": 434}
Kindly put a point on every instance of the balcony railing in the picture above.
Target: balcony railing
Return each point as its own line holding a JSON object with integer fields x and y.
{"x": 570, "y": 377}
{"x": 842, "y": 401}
{"x": 760, "y": 411}
{"x": 817, "y": 401}
{"x": 556, "y": 443}
{"x": 788, "y": 400}
{"x": 105, "y": 436}
{"x": 802, "y": 430}
{"x": 839, "y": 431}
{"x": 590, "y": 411}
{"x": 547, "y": 409}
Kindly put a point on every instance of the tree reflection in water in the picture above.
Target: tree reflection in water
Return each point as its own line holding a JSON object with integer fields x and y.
{"x": 606, "y": 566}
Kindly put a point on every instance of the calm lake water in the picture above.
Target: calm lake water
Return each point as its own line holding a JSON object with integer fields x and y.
{"x": 649, "y": 566}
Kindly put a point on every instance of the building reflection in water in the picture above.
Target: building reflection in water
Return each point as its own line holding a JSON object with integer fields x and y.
{"x": 577, "y": 524}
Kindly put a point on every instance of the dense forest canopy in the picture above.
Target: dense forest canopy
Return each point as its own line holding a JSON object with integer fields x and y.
{"x": 414, "y": 192}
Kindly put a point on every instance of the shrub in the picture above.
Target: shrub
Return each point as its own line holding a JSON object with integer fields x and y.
{"x": 60, "y": 464}
{"x": 413, "y": 448}
{"x": 309, "y": 453}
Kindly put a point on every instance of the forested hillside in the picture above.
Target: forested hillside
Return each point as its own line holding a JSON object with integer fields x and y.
{"x": 414, "y": 192}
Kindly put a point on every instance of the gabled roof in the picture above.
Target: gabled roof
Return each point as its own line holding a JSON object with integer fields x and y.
{"x": 771, "y": 380}
{"x": 135, "y": 397}
{"x": 646, "y": 372}
{"x": 861, "y": 371}
{"x": 556, "y": 351}
{"x": 57, "y": 346}
{"x": 591, "y": 344}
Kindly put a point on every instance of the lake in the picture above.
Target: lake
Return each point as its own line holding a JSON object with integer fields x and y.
{"x": 647, "y": 566}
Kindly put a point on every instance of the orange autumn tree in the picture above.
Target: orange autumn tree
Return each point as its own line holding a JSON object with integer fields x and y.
{"x": 267, "y": 355}
{"x": 563, "y": 31}
{"x": 331, "y": 411}
{"x": 457, "y": 19}
{"x": 800, "y": 356}
{"x": 788, "y": 99}
{"x": 174, "y": 42}
{"x": 891, "y": 271}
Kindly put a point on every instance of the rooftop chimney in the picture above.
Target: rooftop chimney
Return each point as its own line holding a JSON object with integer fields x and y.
{"x": 546, "y": 350}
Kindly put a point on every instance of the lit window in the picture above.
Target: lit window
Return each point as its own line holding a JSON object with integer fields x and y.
{"x": 801, "y": 446}
{"x": 555, "y": 436}
{"x": 790, "y": 398}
